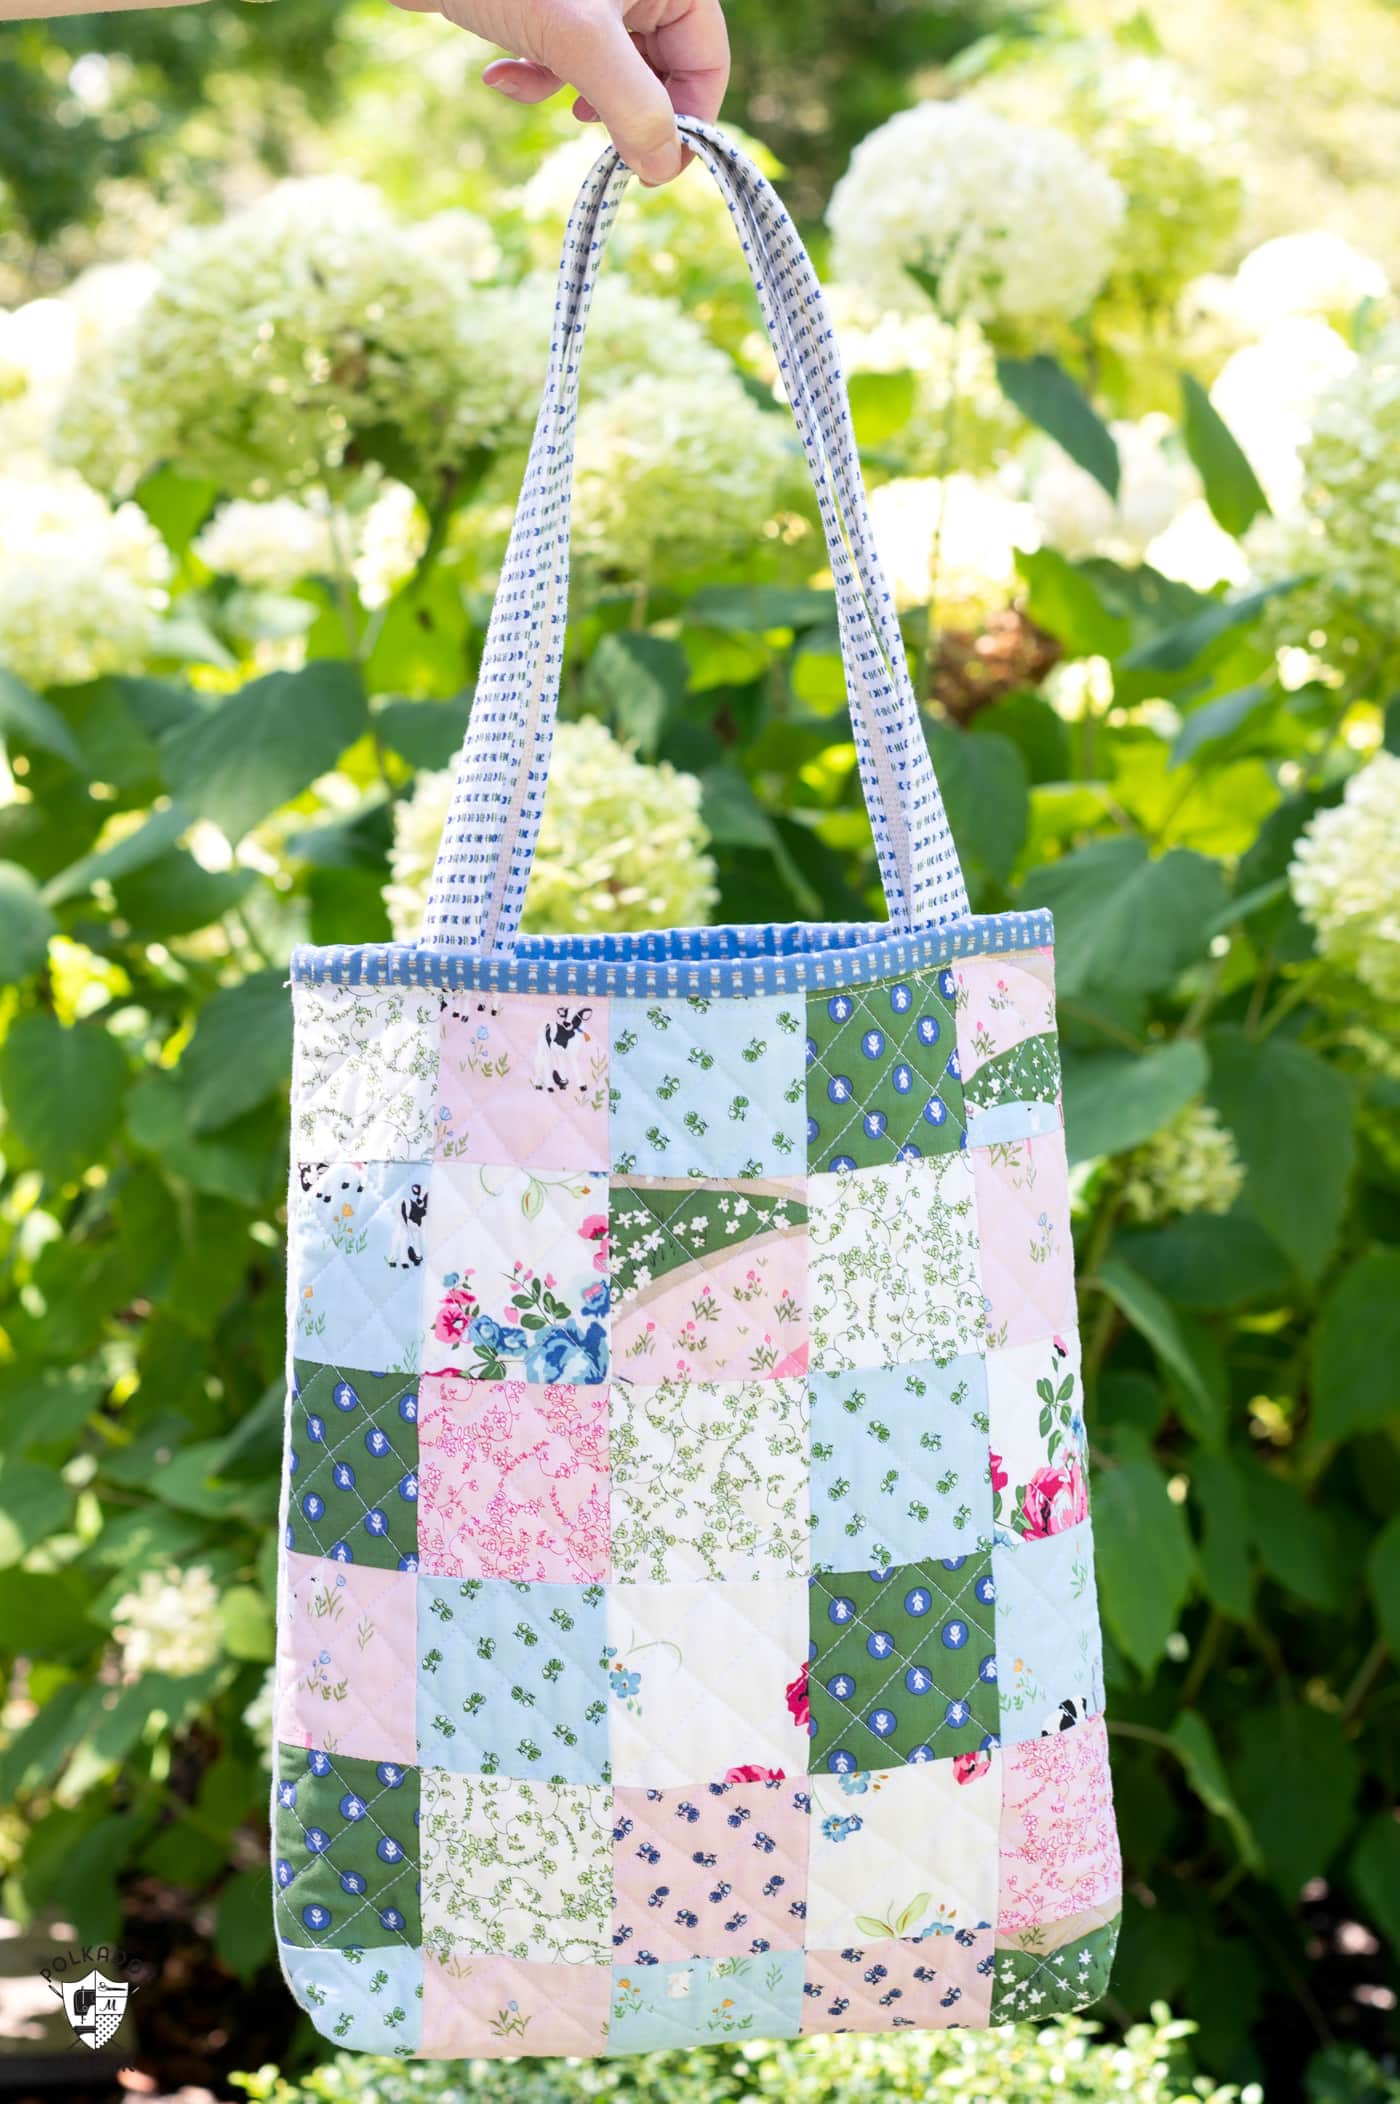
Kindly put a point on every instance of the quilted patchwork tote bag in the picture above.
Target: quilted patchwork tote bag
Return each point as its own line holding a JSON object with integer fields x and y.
{"x": 687, "y": 1618}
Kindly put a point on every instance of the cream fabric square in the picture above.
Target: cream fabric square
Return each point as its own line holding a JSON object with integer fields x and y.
{"x": 904, "y": 1852}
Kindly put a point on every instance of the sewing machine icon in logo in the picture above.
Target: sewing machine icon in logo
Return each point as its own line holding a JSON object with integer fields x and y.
{"x": 95, "y": 2007}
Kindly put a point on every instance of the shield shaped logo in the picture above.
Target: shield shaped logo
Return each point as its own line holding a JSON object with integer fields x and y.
{"x": 94, "y": 2007}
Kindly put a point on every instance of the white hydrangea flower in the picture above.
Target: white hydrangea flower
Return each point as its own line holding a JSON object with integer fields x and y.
{"x": 170, "y": 1624}
{"x": 460, "y": 241}
{"x": 81, "y": 586}
{"x": 275, "y": 544}
{"x": 1076, "y": 513}
{"x": 1316, "y": 273}
{"x": 1174, "y": 160}
{"x": 954, "y": 541}
{"x": 1267, "y": 392}
{"x": 622, "y": 843}
{"x": 1017, "y": 225}
{"x": 1191, "y": 1166}
{"x": 42, "y": 342}
{"x": 1196, "y": 550}
{"x": 1345, "y": 877}
{"x": 959, "y": 408}
{"x": 391, "y": 537}
{"x": 260, "y": 1716}
{"x": 670, "y": 473}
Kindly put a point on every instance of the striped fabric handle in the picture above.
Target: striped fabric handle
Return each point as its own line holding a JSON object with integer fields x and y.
{"x": 483, "y": 865}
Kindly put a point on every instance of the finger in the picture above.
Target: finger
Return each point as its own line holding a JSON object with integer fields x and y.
{"x": 521, "y": 79}
{"x": 691, "y": 53}
{"x": 599, "y": 59}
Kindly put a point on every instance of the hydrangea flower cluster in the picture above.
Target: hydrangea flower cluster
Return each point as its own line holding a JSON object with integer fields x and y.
{"x": 1345, "y": 878}
{"x": 81, "y": 586}
{"x": 278, "y": 543}
{"x": 1316, "y": 274}
{"x": 1139, "y": 116}
{"x": 1267, "y": 393}
{"x": 1190, "y": 1166}
{"x": 951, "y": 544}
{"x": 1019, "y": 226}
{"x": 622, "y": 843}
{"x": 959, "y": 411}
{"x": 1076, "y": 513}
{"x": 170, "y": 1624}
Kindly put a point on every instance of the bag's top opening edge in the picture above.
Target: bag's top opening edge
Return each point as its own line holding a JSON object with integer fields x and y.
{"x": 715, "y": 963}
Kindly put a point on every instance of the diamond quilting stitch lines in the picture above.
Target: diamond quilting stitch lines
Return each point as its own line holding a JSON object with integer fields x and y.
{"x": 1059, "y": 1845}
{"x": 355, "y": 1262}
{"x": 345, "y": 1671}
{"x": 1037, "y": 1977}
{"x": 902, "y": 1664}
{"x": 514, "y": 1869}
{"x": 1049, "y": 1649}
{"x": 701, "y": 1088}
{"x": 709, "y": 1279}
{"x": 1039, "y": 1447}
{"x": 886, "y": 1985}
{"x": 883, "y": 1082}
{"x": 894, "y": 1273}
{"x": 370, "y": 2006}
{"x": 366, "y": 1072}
{"x": 511, "y": 1679}
{"x": 516, "y": 1277}
{"x": 345, "y": 1850}
{"x": 523, "y": 1078}
{"x": 900, "y": 1463}
{"x": 709, "y": 1870}
{"x": 353, "y": 1466}
{"x": 904, "y": 1852}
{"x": 514, "y": 1480}
{"x": 1027, "y": 1245}
{"x": 495, "y": 2008}
{"x": 703, "y": 2001}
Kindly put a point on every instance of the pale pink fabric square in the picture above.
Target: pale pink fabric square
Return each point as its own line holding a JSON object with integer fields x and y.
{"x": 1059, "y": 1846}
{"x": 706, "y": 1871}
{"x": 513, "y": 1480}
{"x": 1001, "y": 1001}
{"x": 1023, "y": 1223}
{"x": 501, "y": 2008}
{"x": 347, "y": 1672}
{"x": 739, "y": 1315}
{"x": 523, "y": 1079}
{"x": 887, "y": 1981}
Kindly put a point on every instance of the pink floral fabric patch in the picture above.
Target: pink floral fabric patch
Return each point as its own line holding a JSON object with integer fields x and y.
{"x": 1059, "y": 1846}
{"x": 513, "y": 1480}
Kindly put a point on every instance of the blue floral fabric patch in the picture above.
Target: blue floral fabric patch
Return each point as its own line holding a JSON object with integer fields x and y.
{"x": 511, "y": 1679}
{"x": 899, "y": 1463}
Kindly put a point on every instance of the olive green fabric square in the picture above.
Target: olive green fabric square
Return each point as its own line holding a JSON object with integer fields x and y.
{"x": 353, "y": 1466}
{"x": 345, "y": 1851}
{"x": 883, "y": 1082}
{"x": 1030, "y": 1984}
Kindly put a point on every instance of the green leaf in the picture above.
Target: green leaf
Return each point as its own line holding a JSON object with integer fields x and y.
{"x": 1205, "y": 1771}
{"x": 1202, "y": 1405}
{"x": 62, "y": 1091}
{"x": 1297, "y": 1773}
{"x": 176, "y": 505}
{"x": 986, "y": 793}
{"x": 754, "y": 609}
{"x": 1115, "y": 1100}
{"x": 1173, "y": 649}
{"x": 1215, "y": 721}
{"x": 731, "y": 812}
{"x": 264, "y": 745}
{"x": 240, "y": 1053}
{"x": 1375, "y": 1865}
{"x": 34, "y": 1501}
{"x": 1298, "y": 1544}
{"x": 881, "y": 405}
{"x": 249, "y": 1630}
{"x": 637, "y": 680}
{"x": 243, "y": 1932}
{"x": 1226, "y": 1569}
{"x": 1065, "y": 601}
{"x": 428, "y": 734}
{"x": 1210, "y": 1261}
{"x": 25, "y": 925}
{"x": 175, "y": 895}
{"x": 1144, "y": 1553}
{"x": 1033, "y": 727}
{"x": 27, "y": 719}
{"x": 1356, "y": 1349}
{"x": 239, "y": 1164}
{"x": 1123, "y": 921}
{"x": 152, "y": 839}
{"x": 1231, "y": 485}
{"x": 1292, "y": 1116}
{"x": 1050, "y": 397}
{"x": 1383, "y": 1571}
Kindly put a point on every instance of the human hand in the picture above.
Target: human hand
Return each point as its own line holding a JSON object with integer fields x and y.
{"x": 634, "y": 64}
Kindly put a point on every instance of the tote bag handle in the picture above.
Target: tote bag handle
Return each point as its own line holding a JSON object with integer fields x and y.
{"x": 488, "y": 843}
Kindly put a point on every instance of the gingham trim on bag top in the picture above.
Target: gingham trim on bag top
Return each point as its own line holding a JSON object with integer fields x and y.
{"x": 483, "y": 865}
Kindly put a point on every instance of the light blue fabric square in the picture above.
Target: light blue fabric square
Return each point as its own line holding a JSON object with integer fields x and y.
{"x": 370, "y": 2001}
{"x": 701, "y": 1088}
{"x": 704, "y": 2001}
{"x": 1049, "y": 1649}
{"x": 900, "y": 1464}
{"x": 356, "y": 1256}
{"x": 512, "y": 1680}
{"x": 1005, "y": 1122}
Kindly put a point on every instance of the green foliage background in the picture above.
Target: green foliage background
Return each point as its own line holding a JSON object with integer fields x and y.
{"x": 1240, "y": 1368}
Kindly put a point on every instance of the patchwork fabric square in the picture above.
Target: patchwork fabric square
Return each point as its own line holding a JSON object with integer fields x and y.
{"x": 499, "y": 2008}
{"x": 705, "y": 1681}
{"x": 516, "y": 1279}
{"x": 888, "y": 1985}
{"x": 511, "y": 1869}
{"x": 344, "y": 1685}
{"x": 908, "y": 1853}
{"x": 345, "y": 1851}
{"x": 894, "y": 1272}
{"x": 513, "y": 1481}
{"x": 1040, "y": 1463}
{"x": 883, "y": 1081}
{"x": 709, "y": 1280}
{"x": 370, "y": 2001}
{"x": 899, "y": 1464}
{"x": 366, "y": 1073}
{"x": 523, "y": 1078}
{"x": 356, "y": 1262}
{"x": 1049, "y": 1650}
{"x": 704, "y": 2001}
{"x": 1007, "y": 1047}
{"x": 902, "y": 1664}
{"x": 692, "y": 1100}
{"x": 353, "y": 1466}
{"x": 710, "y": 1872}
{"x": 709, "y": 1479}
{"x": 1027, "y": 1246}
{"x": 510, "y": 1679}
{"x": 1059, "y": 1845}
{"x": 1038, "y": 1976}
